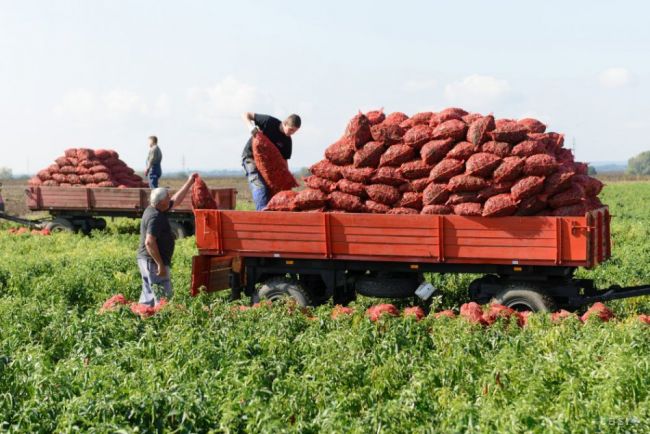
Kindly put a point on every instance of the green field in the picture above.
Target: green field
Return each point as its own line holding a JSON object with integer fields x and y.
{"x": 199, "y": 366}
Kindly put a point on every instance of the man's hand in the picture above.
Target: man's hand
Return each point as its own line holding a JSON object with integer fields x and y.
{"x": 180, "y": 194}
{"x": 162, "y": 271}
{"x": 146, "y": 173}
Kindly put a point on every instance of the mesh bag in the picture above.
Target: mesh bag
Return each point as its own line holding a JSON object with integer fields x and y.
{"x": 369, "y": 155}
{"x": 395, "y": 155}
{"x": 382, "y": 193}
{"x": 500, "y": 149}
{"x": 201, "y": 196}
{"x": 435, "y": 194}
{"x": 477, "y": 133}
{"x": 351, "y": 187}
{"x": 309, "y": 199}
{"x": 281, "y": 201}
{"x": 446, "y": 169}
{"x": 435, "y": 150}
{"x": 462, "y": 151}
{"x": 345, "y": 202}
{"x": 388, "y": 175}
{"x": 500, "y": 205}
{"x": 437, "y": 209}
{"x": 527, "y": 187}
{"x": 454, "y": 129}
{"x": 271, "y": 165}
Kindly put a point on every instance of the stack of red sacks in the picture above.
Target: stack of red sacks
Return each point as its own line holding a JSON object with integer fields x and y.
{"x": 448, "y": 162}
{"x": 88, "y": 168}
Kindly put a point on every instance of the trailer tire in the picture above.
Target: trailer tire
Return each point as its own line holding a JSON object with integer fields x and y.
{"x": 382, "y": 286}
{"x": 178, "y": 229}
{"x": 522, "y": 298}
{"x": 277, "y": 288}
{"x": 99, "y": 223}
{"x": 60, "y": 225}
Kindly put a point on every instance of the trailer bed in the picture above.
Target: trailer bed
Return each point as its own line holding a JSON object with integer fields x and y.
{"x": 111, "y": 200}
{"x": 541, "y": 241}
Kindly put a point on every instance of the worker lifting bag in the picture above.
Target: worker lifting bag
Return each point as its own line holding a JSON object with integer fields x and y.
{"x": 271, "y": 165}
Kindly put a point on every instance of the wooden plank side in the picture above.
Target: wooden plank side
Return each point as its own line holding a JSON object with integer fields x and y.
{"x": 108, "y": 199}
{"x": 273, "y": 246}
{"x": 271, "y": 235}
{"x": 529, "y": 240}
{"x": 386, "y": 238}
{"x": 500, "y": 254}
{"x": 381, "y": 231}
{"x": 379, "y": 250}
{"x": 453, "y": 240}
{"x": 228, "y": 225}
{"x": 278, "y": 218}
{"x": 384, "y": 235}
{"x": 506, "y": 224}
{"x": 386, "y": 221}
{"x": 500, "y": 234}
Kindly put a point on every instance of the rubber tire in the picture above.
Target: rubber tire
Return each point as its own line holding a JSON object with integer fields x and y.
{"x": 276, "y": 288}
{"x": 534, "y": 299}
{"x": 386, "y": 287}
{"x": 60, "y": 225}
{"x": 178, "y": 229}
{"x": 99, "y": 224}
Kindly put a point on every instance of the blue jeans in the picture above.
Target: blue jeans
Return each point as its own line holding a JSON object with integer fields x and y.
{"x": 153, "y": 287}
{"x": 258, "y": 188}
{"x": 154, "y": 175}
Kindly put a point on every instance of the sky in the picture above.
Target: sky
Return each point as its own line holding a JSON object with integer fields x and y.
{"x": 107, "y": 74}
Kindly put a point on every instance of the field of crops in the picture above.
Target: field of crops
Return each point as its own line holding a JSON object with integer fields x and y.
{"x": 199, "y": 365}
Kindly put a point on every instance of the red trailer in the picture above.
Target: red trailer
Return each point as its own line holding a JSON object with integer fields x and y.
{"x": 83, "y": 209}
{"x": 527, "y": 263}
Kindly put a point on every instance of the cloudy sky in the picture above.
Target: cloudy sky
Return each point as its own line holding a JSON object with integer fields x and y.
{"x": 109, "y": 73}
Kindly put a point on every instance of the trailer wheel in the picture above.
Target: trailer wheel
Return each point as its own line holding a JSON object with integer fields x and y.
{"x": 178, "y": 230}
{"x": 522, "y": 298}
{"x": 99, "y": 223}
{"x": 277, "y": 288}
{"x": 60, "y": 225}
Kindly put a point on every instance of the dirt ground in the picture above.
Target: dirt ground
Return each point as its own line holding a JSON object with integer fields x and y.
{"x": 13, "y": 191}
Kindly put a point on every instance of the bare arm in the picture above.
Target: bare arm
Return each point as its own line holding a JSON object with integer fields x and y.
{"x": 248, "y": 117}
{"x": 151, "y": 244}
{"x": 182, "y": 192}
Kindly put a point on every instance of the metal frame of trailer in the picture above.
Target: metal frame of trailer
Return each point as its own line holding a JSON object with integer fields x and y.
{"x": 82, "y": 209}
{"x": 334, "y": 253}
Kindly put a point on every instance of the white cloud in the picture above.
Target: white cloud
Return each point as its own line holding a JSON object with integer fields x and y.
{"x": 119, "y": 102}
{"x": 615, "y": 77}
{"x": 78, "y": 104}
{"x": 477, "y": 91}
{"x": 84, "y": 105}
{"x": 225, "y": 101}
{"x": 162, "y": 107}
{"x": 419, "y": 85}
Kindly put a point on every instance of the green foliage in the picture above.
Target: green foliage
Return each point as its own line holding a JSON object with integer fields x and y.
{"x": 639, "y": 165}
{"x": 200, "y": 366}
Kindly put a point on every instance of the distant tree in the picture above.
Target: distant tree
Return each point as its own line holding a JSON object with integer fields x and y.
{"x": 639, "y": 165}
{"x": 5, "y": 173}
{"x": 591, "y": 170}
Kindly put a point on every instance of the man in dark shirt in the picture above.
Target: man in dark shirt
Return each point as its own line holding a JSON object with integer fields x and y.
{"x": 157, "y": 244}
{"x": 279, "y": 132}
{"x": 154, "y": 160}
